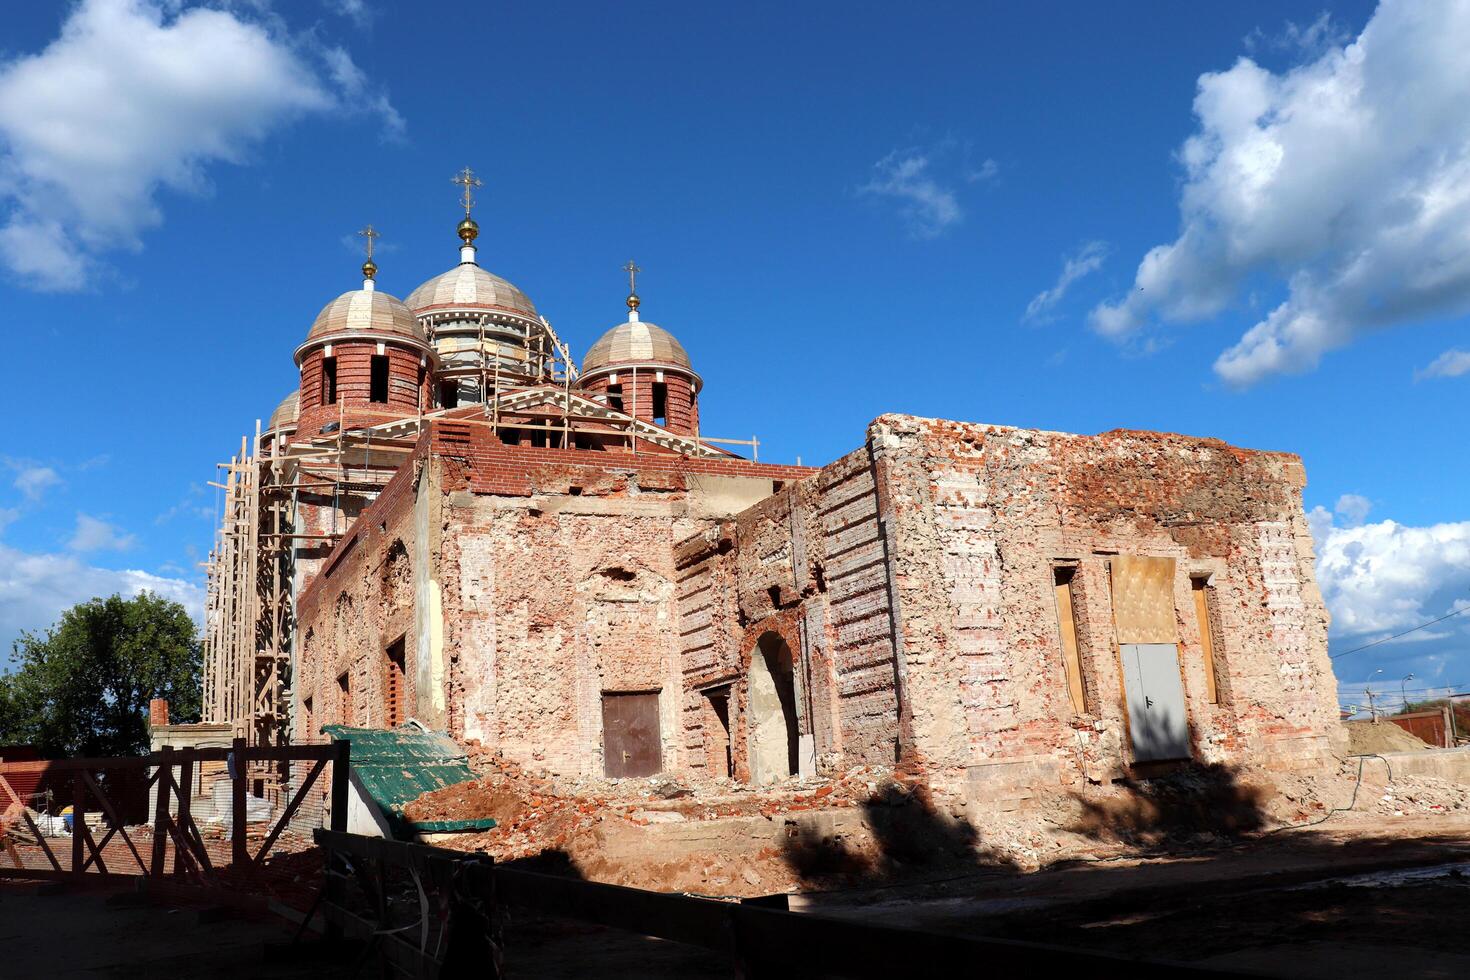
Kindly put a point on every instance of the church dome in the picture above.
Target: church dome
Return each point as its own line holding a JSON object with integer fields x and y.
{"x": 469, "y": 287}
{"x": 365, "y": 314}
{"x": 637, "y": 342}
{"x": 284, "y": 417}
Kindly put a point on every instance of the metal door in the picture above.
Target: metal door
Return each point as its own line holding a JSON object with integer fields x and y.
{"x": 630, "y": 735}
{"x": 1157, "y": 721}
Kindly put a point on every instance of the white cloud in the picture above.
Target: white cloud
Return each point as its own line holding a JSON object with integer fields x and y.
{"x": 36, "y": 588}
{"x": 34, "y": 481}
{"x": 95, "y": 534}
{"x": 134, "y": 96}
{"x": 1451, "y": 364}
{"x": 355, "y": 89}
{"x": 928, "y": 208}
{"x": 1346, "y": 178}
{"x": 1385, "y": 577}
{"x": 1087, "y": 260}
{"x": 357, "y": 11}
{"x": 1353, "y": 508}
{"x": 987, "y": 171}
{"x": 1309, "y": 40}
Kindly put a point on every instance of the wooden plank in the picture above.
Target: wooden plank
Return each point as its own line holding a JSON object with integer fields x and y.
{"x": 78, "y": 824}
{"x": 238, "y": 828}
{"x": 186, "y": 796}
{"x": 1067, "y": 623}
{"x": 1206, "y": 635}
{"x": 160, "y": 810}
{"x": 112, "y": 815}
{"x": 291, "y": 809}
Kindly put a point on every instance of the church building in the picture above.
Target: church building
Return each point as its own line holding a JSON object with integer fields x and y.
{"x": 454, "y": 520}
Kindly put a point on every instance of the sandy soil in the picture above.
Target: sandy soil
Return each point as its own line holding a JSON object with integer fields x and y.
{"x": 1365, "y": 737}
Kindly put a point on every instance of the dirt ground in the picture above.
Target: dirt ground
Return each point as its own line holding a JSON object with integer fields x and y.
{"x": 876, "y": 825}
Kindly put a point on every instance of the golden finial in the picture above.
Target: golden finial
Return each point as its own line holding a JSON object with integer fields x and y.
{"x": 369, "y": 268}
{"x": 632, "y": 271}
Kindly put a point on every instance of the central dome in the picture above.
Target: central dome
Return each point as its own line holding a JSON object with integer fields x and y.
{"x": 469, "y": 287}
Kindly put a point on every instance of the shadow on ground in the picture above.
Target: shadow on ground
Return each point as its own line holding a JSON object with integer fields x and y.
{"x": 1188, "y": 801}
{"x": 909, "y": 833}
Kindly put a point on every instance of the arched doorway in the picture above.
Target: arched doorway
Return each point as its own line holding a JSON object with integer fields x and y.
{"x": 771, "y": 712}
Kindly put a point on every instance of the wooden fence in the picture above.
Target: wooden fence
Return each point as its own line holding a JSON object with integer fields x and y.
{"x": 170, "y": 843}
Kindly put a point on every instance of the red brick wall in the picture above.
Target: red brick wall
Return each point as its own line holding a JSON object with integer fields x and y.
{"x": 408, "y": 386}
{"x": 683, "y": 412}
{"x": 519, "y": 471}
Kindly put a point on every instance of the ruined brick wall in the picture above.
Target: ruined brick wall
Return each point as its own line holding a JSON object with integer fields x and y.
{"x": 981, "y": 515}
{"x": 527, "y": 584}
{"x": 360, "y": 601}
{"x": 809, "y": 566}
{"x": 916, "y": 576}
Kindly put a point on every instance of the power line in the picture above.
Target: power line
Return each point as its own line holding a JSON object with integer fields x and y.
{"x": 1404, "y": 633}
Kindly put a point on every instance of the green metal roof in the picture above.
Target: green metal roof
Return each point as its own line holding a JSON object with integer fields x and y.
{"x": 396, "y": 766}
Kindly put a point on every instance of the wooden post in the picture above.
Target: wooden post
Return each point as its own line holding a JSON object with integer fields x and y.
{"x": 241, "y": 856}
{"x": 332, "y": 882}
{"x": 160, "y": 809}
{"x": 186, "y": 796}
{"x": 78, "y": 823}
{"x": 341, "y": 761}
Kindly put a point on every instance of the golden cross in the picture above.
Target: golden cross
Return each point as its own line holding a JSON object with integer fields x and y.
{"x": 632, "y": 271}
{"x": 369, "y": 234}
{"x": 466, "y": 178}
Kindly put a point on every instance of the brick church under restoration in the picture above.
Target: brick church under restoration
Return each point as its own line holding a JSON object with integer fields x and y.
{"x": 454, "y": 522}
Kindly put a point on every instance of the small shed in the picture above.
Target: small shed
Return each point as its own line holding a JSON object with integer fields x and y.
{"x": 393, "y": 767}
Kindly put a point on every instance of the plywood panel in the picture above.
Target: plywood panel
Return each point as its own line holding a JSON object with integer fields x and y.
{"x": 1143, "y": 599}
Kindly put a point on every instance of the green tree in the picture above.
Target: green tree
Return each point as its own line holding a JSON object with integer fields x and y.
{"x": 83, "y": 688}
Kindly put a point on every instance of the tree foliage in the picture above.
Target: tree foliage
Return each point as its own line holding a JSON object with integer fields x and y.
{"x": 83, "y": 688}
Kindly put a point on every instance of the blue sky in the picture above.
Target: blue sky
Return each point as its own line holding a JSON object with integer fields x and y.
{"x": 841, "y": 210}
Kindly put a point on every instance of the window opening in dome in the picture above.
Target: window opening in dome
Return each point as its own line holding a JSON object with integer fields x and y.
{"x": 615, "y": 397}
{"x": 329, "y": 380}
{"x": 378, "y": 391}
{"x": 449, "y": 394}
{"x": 660, "y": 403}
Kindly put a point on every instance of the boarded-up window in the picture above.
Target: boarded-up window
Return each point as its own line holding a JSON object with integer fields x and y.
{"x": 1203, "y": 614}
{"x": 1143, "y": 599}
{"x": 1067, "y": 627}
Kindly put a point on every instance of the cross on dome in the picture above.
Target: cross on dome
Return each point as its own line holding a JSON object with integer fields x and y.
{"x": 466, "y": 178}
{"x": 632, "y": 270}
{"x": 369, "y": 268}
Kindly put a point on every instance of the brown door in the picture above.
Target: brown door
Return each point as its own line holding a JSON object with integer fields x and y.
{"x": 630, "y": 736}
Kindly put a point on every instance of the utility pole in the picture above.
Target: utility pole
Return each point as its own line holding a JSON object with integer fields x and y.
{"x": 1371, "y": 710}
